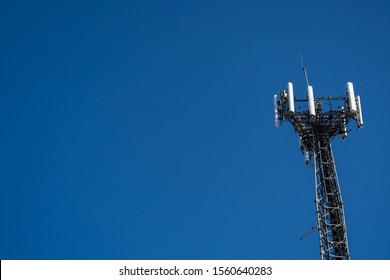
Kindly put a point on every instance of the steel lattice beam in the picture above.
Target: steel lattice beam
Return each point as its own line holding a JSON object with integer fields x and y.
{"x": 329, "y": 204}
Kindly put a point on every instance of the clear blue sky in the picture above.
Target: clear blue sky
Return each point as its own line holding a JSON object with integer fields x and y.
{"x": 145, "y": 130}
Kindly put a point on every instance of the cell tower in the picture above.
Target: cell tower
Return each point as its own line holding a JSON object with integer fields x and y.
{"x": 318, "y": 121}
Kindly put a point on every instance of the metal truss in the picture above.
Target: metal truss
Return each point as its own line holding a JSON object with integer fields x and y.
{"x": 329, "y": 204}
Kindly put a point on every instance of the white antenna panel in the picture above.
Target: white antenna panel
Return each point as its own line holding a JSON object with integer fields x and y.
{"x": 276, "y": 110}
{"x": 360, "y": 115}
{"x": 351, "y": 97}
{"x": 310, "y": 99}
{"x": 290, "y": 96}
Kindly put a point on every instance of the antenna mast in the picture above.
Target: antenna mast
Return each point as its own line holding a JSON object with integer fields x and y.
{"x": 304, "y": 72}
{"x": 316, "y": 128}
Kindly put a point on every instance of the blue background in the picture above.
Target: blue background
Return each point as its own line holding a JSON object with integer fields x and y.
{"x": 145, "y": 129}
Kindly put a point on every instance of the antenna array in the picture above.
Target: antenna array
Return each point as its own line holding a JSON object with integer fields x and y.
{"x": 317, "y": 125}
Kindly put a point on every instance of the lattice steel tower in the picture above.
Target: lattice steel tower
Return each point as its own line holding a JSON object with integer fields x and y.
{"x": 318, "y": 121}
